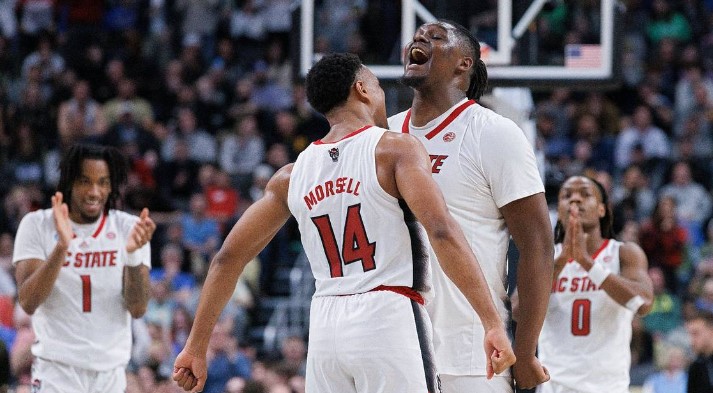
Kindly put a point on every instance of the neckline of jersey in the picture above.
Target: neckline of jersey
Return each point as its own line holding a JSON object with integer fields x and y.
{"x": 405, "y": 128}
{"x": 349, "y": 135}
{"x": 599, "y": 250}
{"x": 96, "y": 233}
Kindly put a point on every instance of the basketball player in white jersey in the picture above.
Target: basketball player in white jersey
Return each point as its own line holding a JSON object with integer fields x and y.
{"x": 488, "y": 174}
{"x": 82, "y": 272}
{"x": 356, "y": 194}
{"x": 598, "y": 285}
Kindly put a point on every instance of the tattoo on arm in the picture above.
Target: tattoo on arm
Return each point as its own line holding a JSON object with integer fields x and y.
{"x": 136, "y": 289}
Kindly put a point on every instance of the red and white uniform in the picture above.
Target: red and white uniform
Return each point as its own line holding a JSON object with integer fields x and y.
{"x": 481, "y": 161}
{"x": 354, "y": 233}
{"x": 584, "y": 342}
{"x": 368, "y": 329}
{"x": 83, "y": 322}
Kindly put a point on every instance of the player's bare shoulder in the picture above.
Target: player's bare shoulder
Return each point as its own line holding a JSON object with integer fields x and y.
{"x": 393, "y": 146}
{"x": 279, "y": 183}
{"x": 632, "y": 254}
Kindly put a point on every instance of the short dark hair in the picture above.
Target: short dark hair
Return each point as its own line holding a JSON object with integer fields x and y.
{"x": 479, "y": 75}
{"x": 70, "y": 169}
{"x": 328, "y": 82}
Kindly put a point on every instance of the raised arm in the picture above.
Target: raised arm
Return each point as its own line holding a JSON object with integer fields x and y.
{"x": 256, "y": 227}
{"x": 632, "y": 288}
{"x": 136, "y": 273}
{"x": 35, "y": 278}
{"x": 413, "y": 181}
{"x": 528, "y": 221}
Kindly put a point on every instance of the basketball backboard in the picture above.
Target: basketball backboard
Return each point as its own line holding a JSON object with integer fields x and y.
{"x": 524, "y": 42}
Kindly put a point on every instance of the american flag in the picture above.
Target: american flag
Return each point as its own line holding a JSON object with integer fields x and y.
{"x": 582, "y": 56}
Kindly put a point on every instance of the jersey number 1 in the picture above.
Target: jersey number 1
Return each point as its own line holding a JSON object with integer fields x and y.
{"x": 356, "y": 246}
{"x": 86, "y": 292}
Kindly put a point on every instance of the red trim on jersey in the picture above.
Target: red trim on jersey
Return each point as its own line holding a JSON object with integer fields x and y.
{"x": 404, "y": 127}
{"x": 448, "y": 120}
{"x": 100, "y": 227}
{"x": 406, "y": 291}
{"x": 601, "y": 248}
{"x": 320, "y": 142}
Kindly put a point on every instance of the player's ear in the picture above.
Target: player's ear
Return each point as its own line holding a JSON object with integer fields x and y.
{"x": 359, "y": 88}
{"x": 601, "y": 209}
{"x": 465, "y": 64}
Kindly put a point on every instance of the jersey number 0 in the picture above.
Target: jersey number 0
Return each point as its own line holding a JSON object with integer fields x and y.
{"x": 356, "y": 245}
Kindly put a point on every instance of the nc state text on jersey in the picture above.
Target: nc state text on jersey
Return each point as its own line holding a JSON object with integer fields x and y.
{"x": 92, "y": 259}
{"x": 330, "y": 188}
{"x": 577, "y": 284}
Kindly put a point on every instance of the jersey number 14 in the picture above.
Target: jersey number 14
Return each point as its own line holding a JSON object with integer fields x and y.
{"x": 356, "y": 245}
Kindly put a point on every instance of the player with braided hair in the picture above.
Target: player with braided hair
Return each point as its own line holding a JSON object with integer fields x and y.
{"x": 487, "y": 172}
{"x": 598, "y": 285}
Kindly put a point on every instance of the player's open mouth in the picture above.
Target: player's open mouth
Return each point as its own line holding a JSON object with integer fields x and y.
{"x": 418, "y": 56}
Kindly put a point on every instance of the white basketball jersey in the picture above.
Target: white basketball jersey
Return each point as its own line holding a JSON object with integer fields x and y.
{"x": 585, "y": 339}
{"x": 481, "y": 161}
{"x": 84, "y": 321}
{"x": 357, "y": 237}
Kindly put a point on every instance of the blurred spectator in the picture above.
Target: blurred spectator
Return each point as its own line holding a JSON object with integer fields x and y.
{"x": 706, "y": 249}
{"x": 25, "y": 164}
{"x": 20, "y": 200}
{"x": 201, "y": 235}
{"x": 294, "y": 354}
{"x": 210, "y": 105}
{"x": 666, "y": 22}
{"x": 268, "y": 94}
{"x": 633, "y": 189}
{"x": 705, "y": 300}
{"x": 242, "y": 151}
{"x": 260, "y": 176}
{"x": 285, "y": 133}
{"x": 159, "y": 354}
{"x": 693, "y": 202}
{"x": 127, "y": 130}
{"x": 672, "y": 378}
{"x": 601, "y": 145}
{"x": 127, "y": 100}
{"x": 279, "y": 69}
{"x": 170, "y": 270}
{"x": 248, "y": 29}
{"x": 81, "y": 116}
{"x": 20, "y": 349}
{"x": 223, "y": 201}
{"x": 50, "y": 63}
{"x": 202, "y": 147}
{"x": 224, "y": 359}
{"x": 692, "y": 76}
{"x": 161, "y": 305}
{"x": 700, "y": 329}
{"x": 665, "y": 315}
{"x": 651, "y": 139}
{"x": 177, "y": 174}
{"x": 664, "y": 241}
{"x": 201, "y": 18}
{"x": 181, "y": 324}
{"x": 34, "y": 110}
